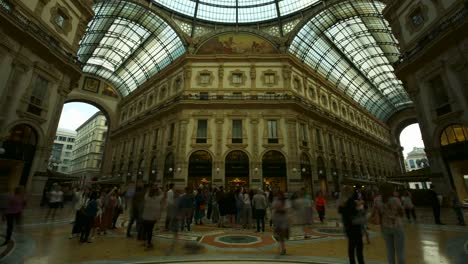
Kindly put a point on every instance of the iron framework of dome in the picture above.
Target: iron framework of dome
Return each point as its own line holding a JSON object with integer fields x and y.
{"x": 126, "y": 44}
{"x": 349, "y": 43}
{"x": 236, "y": 11}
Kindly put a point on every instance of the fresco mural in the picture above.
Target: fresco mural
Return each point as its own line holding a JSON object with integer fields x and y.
{"x": 240, "y": 43}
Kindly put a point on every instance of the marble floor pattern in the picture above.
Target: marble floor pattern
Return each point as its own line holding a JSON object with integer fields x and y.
{"x": 41, "y": 241}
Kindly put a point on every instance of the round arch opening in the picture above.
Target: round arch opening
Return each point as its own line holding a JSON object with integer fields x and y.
{"x": 274, "y": 171}
{"x": 200, "y": 169}
{"x": 20, "y": 148}
{"x": 236, "y": 167}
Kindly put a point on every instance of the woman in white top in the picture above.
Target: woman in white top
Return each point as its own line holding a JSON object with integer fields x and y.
{"x": 55, "y": 200}
{"x": 151, "y": 213}
{"x": 408, "y": 205}
{"x": 246, "y": 215}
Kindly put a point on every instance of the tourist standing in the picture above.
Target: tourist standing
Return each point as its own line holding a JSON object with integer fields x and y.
{"x": 214, "y": 199}
{"x": 170, "y": 206}
{"x": 221, "y": 198}
{"x": 186, "y": 204}
{"x": 151, "y": 214}
{"x": 390, "y": 212}
{"x": 349, "y": 213}
{"x": 55, "y": 200}
{"x": 90, "y": 213}
{"x": 78, "y": 200}
{"x": 246, "y": 215}
{"x": 408, "y": 205}
{"x": 259, "y": 203}
{"x": 12, "y": 211}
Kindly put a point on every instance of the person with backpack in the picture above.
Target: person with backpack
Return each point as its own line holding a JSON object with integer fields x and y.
{"x": 390, "y": 213}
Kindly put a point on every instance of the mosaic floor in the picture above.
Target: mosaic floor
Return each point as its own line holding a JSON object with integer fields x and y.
{"x": 39, "y": 241}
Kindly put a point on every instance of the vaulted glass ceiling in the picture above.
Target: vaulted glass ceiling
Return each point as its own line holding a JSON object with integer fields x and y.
{"x": 351, "y": 45}
{"x": 126, "y": 44}
{"x": 236, "y": 11}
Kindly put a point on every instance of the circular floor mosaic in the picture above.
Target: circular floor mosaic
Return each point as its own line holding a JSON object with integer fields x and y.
{"x": 239, "y": 239}
{"x": 330, "y": 231}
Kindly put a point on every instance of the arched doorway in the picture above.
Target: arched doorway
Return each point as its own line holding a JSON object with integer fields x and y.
{"x": 322, "y": 175}
{"x": 200, "y": 169}
{"x": 153, "y": 172}
{"x": 306, "y": 173}
{"x": 274, "y": 170}
{"x": 236, "y": 167}
{"x": 454, "y": 148}
{"x": 168, "y": 169}
{"x": 20, "y": 147}
{"x": 335, "y": 176}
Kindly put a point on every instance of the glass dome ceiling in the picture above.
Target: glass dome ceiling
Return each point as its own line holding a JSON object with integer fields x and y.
{"x": 126, "y": 45}
{"x": 351, "y": 45}
{"x": 236, "y": 11}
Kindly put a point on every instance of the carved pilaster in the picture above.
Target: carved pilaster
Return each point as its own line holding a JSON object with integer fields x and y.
{"x": 253, "y": 76}
{"x": 221, "y": 76}
{"x": 187, "y": 76}
{"x": 287, "y": 72}
{"x": 254, "y": 126}
{"x": 219, "y": 135}
{"x": 291, "y": 125}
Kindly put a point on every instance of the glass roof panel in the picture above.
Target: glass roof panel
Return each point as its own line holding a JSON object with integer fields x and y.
{"x": 236, "y": 11}
{"x": 126, "y": 44}
{"x": 351, "y": 45}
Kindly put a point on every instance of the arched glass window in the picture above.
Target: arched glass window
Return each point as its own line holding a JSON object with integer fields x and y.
{"x": 454, "y": 134}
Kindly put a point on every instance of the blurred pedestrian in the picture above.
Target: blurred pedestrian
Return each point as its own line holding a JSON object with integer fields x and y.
{"x": 151, "y": 214}
{"x": 390, "y": 212}
{"x": 14, "y": 206}
{"x": 259, "y": 203}
{"x": 280, "y": 221}
{"x": 320, "y": 203}
{"x": 348, "y": 209}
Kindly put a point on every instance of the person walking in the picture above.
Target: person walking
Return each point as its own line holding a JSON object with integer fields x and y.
{"x": 259, "y": 203}
{"x": 136, "y": 208}
{"x": 320, "y": 203}
{"x": 353, "y": 230}
{"x": 408, "y": 205}
{"x": 55, "y": 200}
{"x": 151, "y": 214}
{"x": 15, "y": 204}
{"x": 215, "y": 213}
{"x": 170, "y": 206}
{"x": 457, "y": 207}
{"x": 280, "y": 221}
{"x": 390, "y": 212}
{"x": 200, "y": 206}
{"x": 435, "y": 203}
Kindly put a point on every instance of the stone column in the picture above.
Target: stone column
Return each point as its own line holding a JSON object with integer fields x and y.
{"x": 180, "y": 177}
{"x": 218, "y": 177}
{"x": 294, "y": 177}
{"x": 253, "y": 76}
{"x": 255, "y": 175}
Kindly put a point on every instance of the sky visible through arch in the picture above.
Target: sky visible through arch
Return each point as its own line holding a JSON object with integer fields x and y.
{"x": 411, "y": 137}
{"x": 75, "y": 114}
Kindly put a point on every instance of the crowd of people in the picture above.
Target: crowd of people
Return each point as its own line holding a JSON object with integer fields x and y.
{"x": 97, "y": 209}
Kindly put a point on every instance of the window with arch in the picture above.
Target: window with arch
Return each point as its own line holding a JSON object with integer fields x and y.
{"x": 312, "y": 92}
{"x": 297, "y": 84}
{"x": 454, "y": 134}
{"x": 150, "y": 100}
{"x": 324, "y": 100}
